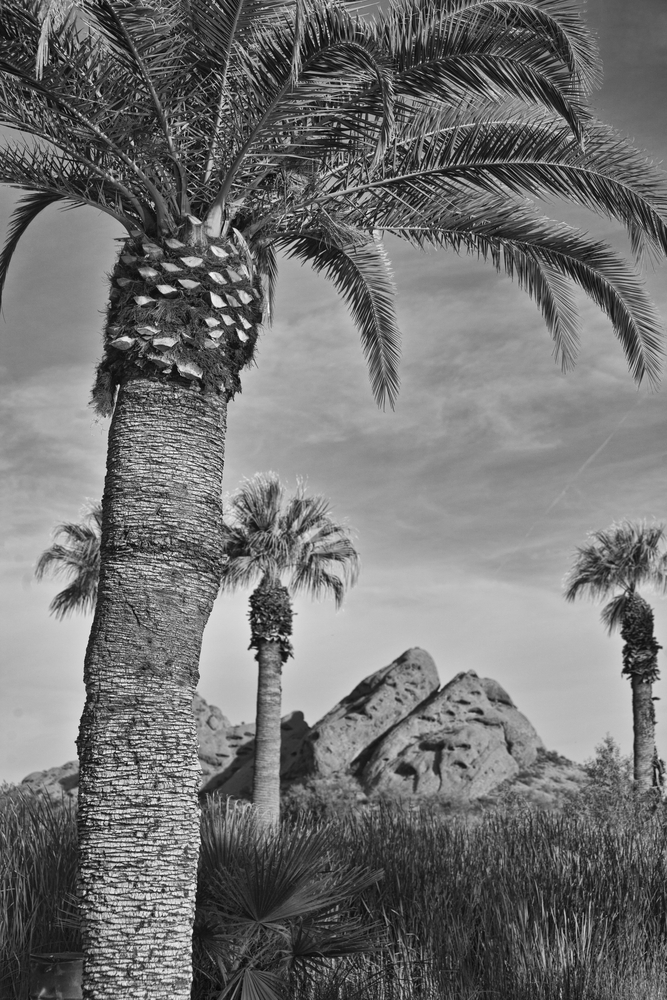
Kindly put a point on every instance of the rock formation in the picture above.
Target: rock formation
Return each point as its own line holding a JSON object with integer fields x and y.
{"x": 396, "y": 734}
{"x": 461, "y": 742}
{"x": 370, "y": 710}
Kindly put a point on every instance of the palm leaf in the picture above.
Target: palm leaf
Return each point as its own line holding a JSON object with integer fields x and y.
{"x": 360, "y": 271}
{"x": 337, "y": 58}
{"x": 260, "y": 985}
{"x": 536, "y": 29}
{"x": 622, "y": 557}
{"x": 542, "y": 255}
{"x": 28, "y": 208}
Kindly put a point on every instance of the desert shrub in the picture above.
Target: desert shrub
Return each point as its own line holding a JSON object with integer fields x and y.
{"x": 609, "y": 791}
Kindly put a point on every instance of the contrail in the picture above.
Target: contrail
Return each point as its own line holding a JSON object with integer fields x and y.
{"x": 580, "y": 470}
{"x": 591, "y": 458}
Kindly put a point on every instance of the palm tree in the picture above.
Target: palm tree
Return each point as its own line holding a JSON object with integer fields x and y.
{"x": 77, "y": 556}
{"x": 263, "y": 540}
{"x": 269, "y": 537}
{"x": 219, "y": 133}
{"x": 615, "y": 563}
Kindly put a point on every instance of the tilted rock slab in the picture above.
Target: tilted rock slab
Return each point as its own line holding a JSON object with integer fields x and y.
{"x": 375, "y": 705}
{"x": 462, "y": 742}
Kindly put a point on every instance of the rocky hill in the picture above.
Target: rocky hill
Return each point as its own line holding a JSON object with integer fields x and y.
{"x": 398, "y": 734}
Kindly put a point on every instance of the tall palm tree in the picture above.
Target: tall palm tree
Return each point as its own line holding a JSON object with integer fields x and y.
{"x": 264, "y": 539}
{"x": 219, "y": 133}
{"x": 615, "y": 563}
{"x": 75, "y": 553}
{"x": 269, "y": 538}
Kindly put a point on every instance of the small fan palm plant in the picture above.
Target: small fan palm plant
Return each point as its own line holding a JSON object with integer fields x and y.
{"x": 219, "y": 134}
{"x": 270, "y": 537}
{"x": 615, "y": 563}
{"x": 274, "y": 907}
{"x": 75, "y": 553}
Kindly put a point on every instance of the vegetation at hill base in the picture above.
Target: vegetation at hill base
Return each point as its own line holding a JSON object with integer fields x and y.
{"x": 390, "y": 903}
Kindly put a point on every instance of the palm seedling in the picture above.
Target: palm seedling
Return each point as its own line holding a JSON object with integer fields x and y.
{"x": 219, "y": 134}
{"x": 275, "y": 906}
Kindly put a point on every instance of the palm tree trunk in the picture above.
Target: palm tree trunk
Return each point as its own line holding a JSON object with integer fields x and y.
{"x": 138, "y": 800}
{"x": 643, "y": 717}
{"x": 266, "y": 778}
{"x": 640, "y": 663}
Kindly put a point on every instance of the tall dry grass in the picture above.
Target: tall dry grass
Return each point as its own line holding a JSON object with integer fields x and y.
{"x": 512, "y": 906}
{"x": 38, "y": 859}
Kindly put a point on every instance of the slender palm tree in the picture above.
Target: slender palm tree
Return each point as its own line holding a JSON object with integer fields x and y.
{"x": 269, "y": 538}
{"x": 218, "y": 134}
{"x": 263, "y": 541}
{"x": 615, "y": 563}
{"x": 75, "y": 553}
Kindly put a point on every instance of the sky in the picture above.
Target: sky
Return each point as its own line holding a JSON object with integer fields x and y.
{"x": 467, "y": 502}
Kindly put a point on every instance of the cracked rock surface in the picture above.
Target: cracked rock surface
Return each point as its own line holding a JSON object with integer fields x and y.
{"x": 461, "y": 742}
{"x": 375, "y": 705}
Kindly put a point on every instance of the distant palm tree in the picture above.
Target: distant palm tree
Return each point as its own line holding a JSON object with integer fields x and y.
{"x": 616, "y": 562}
{"x": 268, "y": 538}
{"x": 77, "y": 556}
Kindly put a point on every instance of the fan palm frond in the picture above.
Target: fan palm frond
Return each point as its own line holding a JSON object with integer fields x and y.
{"x": 269, "y": 535}
{"x": 77, "y": 556}
{"x": 622, "y": 558}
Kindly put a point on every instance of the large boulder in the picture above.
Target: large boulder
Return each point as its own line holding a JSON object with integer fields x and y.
{"x": 57, "y": 783}
{"x": 461, "y": 743}
{"x": 375, "y": 705}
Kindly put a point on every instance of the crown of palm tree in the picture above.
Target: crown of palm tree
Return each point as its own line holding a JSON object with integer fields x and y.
{"x": 269, "y": 536}
{"x": 77, "y": 556}
{"x": 623, "y": 557}
{"x": 309, "y": 130}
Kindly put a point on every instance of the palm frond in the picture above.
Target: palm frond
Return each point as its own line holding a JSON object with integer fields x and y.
{"x": 77, "y": 556}
{"x": 45, "y": 171}
{"x": 539, "y": 30}
{"x": 360, "y": 272}
{"x": 544, "y": 256}
{"x": 338, "y": 59}
{"x": 613, "y": 613}
{"x": 28, "y": 208}
{"x": 269, "y": 535}
{"x": 220, "y": 24}
{"x": 52, "y": 15}
{"x": 623, "y": 557}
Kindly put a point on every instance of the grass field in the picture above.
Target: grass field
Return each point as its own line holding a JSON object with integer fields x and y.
{"x": 512, "y": 904}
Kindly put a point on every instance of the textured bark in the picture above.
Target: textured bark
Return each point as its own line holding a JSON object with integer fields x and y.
{"x": 640, "y": 663}
{"x": 643, "y": 718}
{"x": 266, "y": 778}
{"x": 138, "y": 803}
